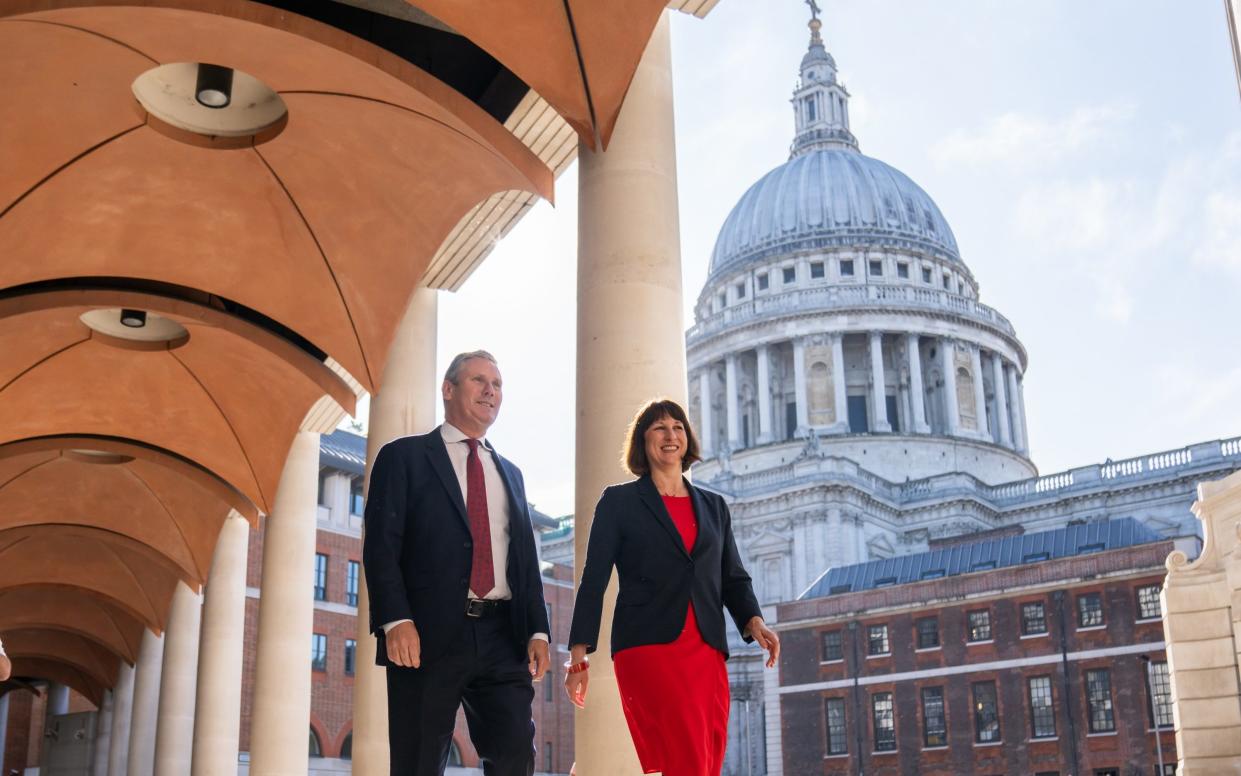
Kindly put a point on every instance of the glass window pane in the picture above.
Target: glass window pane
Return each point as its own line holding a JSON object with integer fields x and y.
{"x": 837, "y": 742}
{"x": 1033, "y": 618}
{"x": 934, "y": 725}
{"x": 1161, "y": 694}
{"x": 1042, "y": 712}
{"x": 928, "y": 633}
{"x": 1099, "y": 701}
{"x": 320, "y": 577}
{"x": 877, "y": 640}
{"x": 1089, "y": 610}
{"x": 790, "y": 274}
{"x": 351, "y": 583}
{"x": 885, "y": 723}
{"x": 979, "y": 626}
{"x": 816, "y": 269}
{"x": 1149, "y": 607}
{"x": 986, "y": 713}
{"x": 832, "y": 649}
{"x": 318, "y": 652}
{"x": 846, "y": 267}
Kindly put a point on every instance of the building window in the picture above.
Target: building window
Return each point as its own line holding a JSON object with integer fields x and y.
{"x": 902, "y": 269}
{"x": 351, "y": 655}
{"x": 346, "y": 748}
{"x": 723, "y": 299}
{"x": 834, "y": 708}
{"x": 316, "y": 749}
{"x": 934, "y": 725}
{"x": 547, "y": 756}
{"x": 947, "y": 281}
{"x": 1033, "y": 618}
{"x": 846, "y": 268}
{"x": 877, "y": 640}
{"x": 928, "y": 633}
{"x": 1089, "y": 610}
{"x": 790, "y": 275}
{"x": 926, "y": 275}
{"x": 351, "y": 583}
{"x": 1161, "y": 694}
{"x": 1042, "y": 713}
{"x": 318, "y": 652}
{"x": 832, "y": 649}
{"x": 357, "y": 501}
{"x": 1099, "y": 701}
{"x": 876, "y": 267}
{"x": 986, "y": 713}
{"x": 741, "y": 290}
{"x": 1149, "y": 607}
{"x": 885, "y": 723}
{"x": 816, "y": 270}
{"x": 323, "y": 489}
{"x": 1107, "y": 772}
{"x": 762, "y": 281}
{"x": 320, "y": 577}
{"x": 979, "y": 625}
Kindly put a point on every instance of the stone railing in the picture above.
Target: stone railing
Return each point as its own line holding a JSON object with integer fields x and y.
{"x": 844, "y": 297}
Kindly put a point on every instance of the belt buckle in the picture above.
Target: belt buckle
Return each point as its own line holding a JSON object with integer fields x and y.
{"x": 475, "y": 607}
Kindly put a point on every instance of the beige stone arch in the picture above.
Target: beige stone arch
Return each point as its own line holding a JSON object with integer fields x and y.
{"x": 61, "y": 672}
{"x": 70, "y": 611}
{"x": 88, "y": 657}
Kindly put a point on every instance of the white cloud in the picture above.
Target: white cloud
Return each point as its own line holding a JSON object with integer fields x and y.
{"x": 1024, "y": 141}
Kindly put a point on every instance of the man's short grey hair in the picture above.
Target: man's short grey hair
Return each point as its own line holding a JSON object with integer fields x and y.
{"x": 458, "y": 361}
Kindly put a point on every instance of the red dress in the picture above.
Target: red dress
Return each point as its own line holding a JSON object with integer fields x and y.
{"x": 675, "y": 695}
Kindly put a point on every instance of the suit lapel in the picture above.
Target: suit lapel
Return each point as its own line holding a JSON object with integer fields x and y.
{"x": 437, "y": 452}
{"x": 650, "y": 497}
{"x": 706, "y": 520}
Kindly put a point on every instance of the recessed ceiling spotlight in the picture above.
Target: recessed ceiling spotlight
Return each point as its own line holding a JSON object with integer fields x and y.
{"x": 214, "y": 86}
{"x": 134, "y": 319}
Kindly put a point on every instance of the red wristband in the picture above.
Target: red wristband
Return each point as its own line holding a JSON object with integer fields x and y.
{"x": 570, "y": 668}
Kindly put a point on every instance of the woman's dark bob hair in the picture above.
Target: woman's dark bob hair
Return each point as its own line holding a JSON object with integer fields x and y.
{"x": 635, "y": 441}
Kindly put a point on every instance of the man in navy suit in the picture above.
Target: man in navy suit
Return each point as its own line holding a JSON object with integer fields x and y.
{"x": 455, "y": 590}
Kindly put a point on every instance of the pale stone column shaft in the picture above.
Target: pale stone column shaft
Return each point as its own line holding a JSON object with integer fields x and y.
{"x": 1021, "y": 410}
{"x": 878, "y": 390}
{"x": 917, "y": 395}
{"x": 174, "y": 735}
{"x": 281, "y": 718}
{"x": 145, "y": 715}
{"x": 799, "y": 386}
{"x": 1001, "y": 399}
{"x": 763, "y": 389}
{"x": 122, "y": 717}
{"x": 706, "y": 435}
{"x": 404, "y": 405}
{"x": 730, "y": 402}
{"x": 57, "y": 700}
{"x": 217, "y": 714}
{"x": 1014, "y": 402}
{"x": 840, "y": 391}
{"x": 103, "y": 736}
{"x": 952, "y": 414}
{"x": 980, "y": 395}
{"x": 628, "y": 323}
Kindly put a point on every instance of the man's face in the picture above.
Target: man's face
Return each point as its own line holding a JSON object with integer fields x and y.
{"x": 473, "y": 403}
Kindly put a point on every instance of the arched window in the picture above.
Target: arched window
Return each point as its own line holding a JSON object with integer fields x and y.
{"x": 819, "y": 394}
{"x": 316, "y": 749}
{"x": 346, "y": 749}
{"x": 965, "y": 399}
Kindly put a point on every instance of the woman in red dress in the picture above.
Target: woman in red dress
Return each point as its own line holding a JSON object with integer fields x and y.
{"x": 673, "y": 549}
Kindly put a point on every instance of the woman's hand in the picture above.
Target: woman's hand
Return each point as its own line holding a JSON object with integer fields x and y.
{"x": 765, "y": 637}
{"x": 575, "y": 684}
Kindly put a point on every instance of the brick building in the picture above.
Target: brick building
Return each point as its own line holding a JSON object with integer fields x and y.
{"x": 1002, "y": 654}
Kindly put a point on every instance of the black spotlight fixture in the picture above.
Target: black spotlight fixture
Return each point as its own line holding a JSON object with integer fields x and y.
{"x": 214, "y": 86}
{"x": 134, "y": 319}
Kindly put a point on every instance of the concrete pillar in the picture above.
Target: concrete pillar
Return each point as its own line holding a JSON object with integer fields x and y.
{"x": 878, "y": 389}
{"x": 122, "y": 716}
{"x": 174, "y": 735}
{"x": 730, "y": 402}
{"x": 404, "y": 405}
{"x": 147, "y": 676}
{"x": 799, "y": 386}
{"x": 1014, "y": 402}
{"x": 980, "y": 395}
{"x": 281, "y": 720}
{"x": 949, "y": 366}
{"x": 706, "y": 434}
{"x": 58, "y": 700}
{"x": 917, "y": 395}
{"x": 839, "y": 389}
{"x": 217, "y": 713}
{"x": 763, "y": 389}
{"x": 1001, "y": 399}
{"x": 103, "y": 736}
{"x": 628, "y": 323}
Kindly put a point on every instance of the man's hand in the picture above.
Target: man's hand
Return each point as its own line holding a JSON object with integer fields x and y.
{"x": 765, "y": 637}
{"x": 540, "y": 660}
{"x": 404, "y": 646}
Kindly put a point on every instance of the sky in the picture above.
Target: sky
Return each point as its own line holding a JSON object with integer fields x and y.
{"x": 1086, "y": 155}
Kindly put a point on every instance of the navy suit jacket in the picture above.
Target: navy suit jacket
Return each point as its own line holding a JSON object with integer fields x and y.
{"x": 418, "y": 549}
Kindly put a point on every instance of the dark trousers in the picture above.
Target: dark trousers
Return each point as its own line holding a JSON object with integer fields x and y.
{"x": 486, "y": 674}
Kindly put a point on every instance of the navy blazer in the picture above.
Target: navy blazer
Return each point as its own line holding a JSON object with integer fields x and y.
{"x": 418, "y": 550}
{"x": 658, "y": 576}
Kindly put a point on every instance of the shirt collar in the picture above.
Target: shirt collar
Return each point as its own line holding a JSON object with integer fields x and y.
{"x": 452, "y": 435}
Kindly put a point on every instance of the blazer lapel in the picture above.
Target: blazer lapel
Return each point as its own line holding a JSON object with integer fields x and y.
{"x": 650, "y": 496}
{"x": 707, "y": 520}
{"x": 437, "y": 452}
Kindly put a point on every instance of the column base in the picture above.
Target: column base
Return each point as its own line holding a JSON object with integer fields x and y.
{"x": 882, "y": 428}
{"x": 922, "y": 428}
{"x": 765, "y": 439}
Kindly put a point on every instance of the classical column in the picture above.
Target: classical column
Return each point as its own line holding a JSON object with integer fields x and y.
{"x": 281, "y": 718}
{"x": 730, "y": 402}
{"x": 174, "y": 735}
{"x": 122, "y": 716}
{"x": 628, "y": 323}
{"x": 763, "y": 389}
{"x": 1001, "y": 399}
{"x": 917, "y": 396}
{"x": 949, "y": 366}
{"x": 57, "y": 699}
{"x": 1014, "y": 402}
{"x": 878, "y": 390}
{"x": 840, "y": 390}
{"x": 403, "y": 405}
{"x": 103, "y": 735}
{"x": 980, "y": 395}
{"x": 145, "y": 714}
{"x": 799, "y": 387}
{"x": 1021, "y": 410}
{"x": 706, "y": 434}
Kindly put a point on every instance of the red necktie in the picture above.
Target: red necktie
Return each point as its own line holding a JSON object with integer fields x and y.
{"x": 482, "y": 573}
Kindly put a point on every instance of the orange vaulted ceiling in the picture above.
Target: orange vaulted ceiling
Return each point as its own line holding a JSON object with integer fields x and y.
{"x": 579, "y": 55}
{"x": 324, "y": 229}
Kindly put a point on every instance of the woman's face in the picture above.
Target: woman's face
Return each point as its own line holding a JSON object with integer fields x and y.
{"x": 666, "y": 442}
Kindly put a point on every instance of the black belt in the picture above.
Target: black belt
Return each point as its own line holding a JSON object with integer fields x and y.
{"x": 485, "y": 607}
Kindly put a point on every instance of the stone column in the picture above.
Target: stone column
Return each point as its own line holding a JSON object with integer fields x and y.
{"x": 103, "y": 736}
{"x": 731, "y": 411}
{"x": 1021, "y": 410}
{"x": 174, "y": 735}
{"x": 917, "y": 395}
{"x": 763, "y": 389}
{"x": 878, "y": 390}
{"x": 1001, "y": 399}
{"x": 57, "y": 700}
{"x": 122, "y": 716}
{"x": 980, "y": 394}
{"x": 628, "y": 323}
{"x": 404, "y": 405}
{"x": 145, "y": 716}
{"x": 949, "y": 366}
{"x": 840, "y": 390}
{"x": 1014, "y": 401}
{"x": 799, "y": 386}
{"x": 706, "y": 435}
{"x": 281, "y": 718}
{"x": 217, "y": 713}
